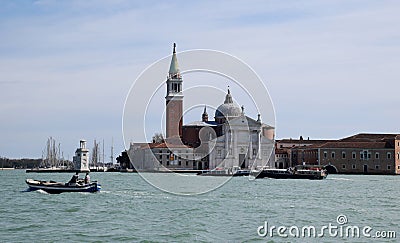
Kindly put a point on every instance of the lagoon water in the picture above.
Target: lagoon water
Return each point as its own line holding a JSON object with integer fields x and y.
{"x": 129, "y": 209}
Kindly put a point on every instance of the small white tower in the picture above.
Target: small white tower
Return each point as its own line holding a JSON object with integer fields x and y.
{"x": 81, "y": 158}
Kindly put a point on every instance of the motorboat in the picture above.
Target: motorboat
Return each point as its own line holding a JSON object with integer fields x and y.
{"x": 291, "y": 173}
{"x": 54, "y": 187}
{"x": 234, "y": 171}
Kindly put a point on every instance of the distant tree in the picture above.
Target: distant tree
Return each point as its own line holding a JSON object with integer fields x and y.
{"x": 158, "y": 138}
{"x": 124, "y": 161}
{"x": 19, "y": 163}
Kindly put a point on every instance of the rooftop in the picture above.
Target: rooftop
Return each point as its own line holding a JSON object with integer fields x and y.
{"x": 369, "y": 137}
{"x": 201, "y": 124}
{"x": 164, "y": 145}
{"x": 367, "y": 145}
{"x": 361, "y": 140}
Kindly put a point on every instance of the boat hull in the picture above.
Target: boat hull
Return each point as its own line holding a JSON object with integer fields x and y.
{"x": 225, "y": 173}
{"x": 58, "y": 187}
{"x": 288, "y": 175}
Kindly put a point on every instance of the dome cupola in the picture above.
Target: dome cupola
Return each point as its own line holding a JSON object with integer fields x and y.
{"x": 227, "y": 110}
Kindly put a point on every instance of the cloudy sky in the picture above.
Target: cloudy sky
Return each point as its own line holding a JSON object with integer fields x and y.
{"x": 331, "y": 67}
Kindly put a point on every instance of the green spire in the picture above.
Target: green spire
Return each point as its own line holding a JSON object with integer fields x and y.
{"x": 174, "y": 67}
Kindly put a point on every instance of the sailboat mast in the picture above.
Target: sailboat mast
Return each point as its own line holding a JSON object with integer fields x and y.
{"x": 112, "y": 150}
{"x": 103, "y": 152}
{"x": 47, "y": 160}
{"x": 59, "y": 155}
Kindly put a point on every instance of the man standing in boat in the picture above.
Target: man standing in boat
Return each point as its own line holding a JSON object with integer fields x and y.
{"x": 87, "y": 178}
{"x": 74, "y": 179}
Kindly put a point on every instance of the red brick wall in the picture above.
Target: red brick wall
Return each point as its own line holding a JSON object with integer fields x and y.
{"x": 173, "y": 118}
{"x": 190, "y": 136}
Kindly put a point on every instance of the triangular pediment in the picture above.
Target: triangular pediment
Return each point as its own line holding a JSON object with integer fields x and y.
{"x": 246, "y": 121}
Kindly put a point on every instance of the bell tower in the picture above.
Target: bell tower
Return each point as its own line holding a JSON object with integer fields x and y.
{"x": 174, "y": 99}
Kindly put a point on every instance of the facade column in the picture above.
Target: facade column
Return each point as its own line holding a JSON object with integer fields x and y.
{"x": 211, "y": 157}
{"x": 235, "y": 148}
{"x": 230, "y": 143}
{"x": 226, "y": 142}
{"x": 259, "y": 144}
{"x": 251, "y": 146}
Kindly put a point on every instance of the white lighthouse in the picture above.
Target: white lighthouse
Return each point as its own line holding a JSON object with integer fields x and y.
{"x": 81, "y": 158}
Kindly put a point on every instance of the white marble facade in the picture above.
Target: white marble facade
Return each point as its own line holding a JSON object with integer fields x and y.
{"x": 243, "y": 143}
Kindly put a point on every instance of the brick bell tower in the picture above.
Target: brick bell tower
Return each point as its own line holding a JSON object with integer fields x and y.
{"x": 174, "y": 99}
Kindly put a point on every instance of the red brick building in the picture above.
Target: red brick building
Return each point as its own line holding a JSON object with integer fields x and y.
{"x": 358, "y": 154}
{"x": 292, "y": 152}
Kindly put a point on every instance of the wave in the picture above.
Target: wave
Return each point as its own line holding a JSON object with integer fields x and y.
{"x": 339, "y": 179}
{"x": 42, "y": 192}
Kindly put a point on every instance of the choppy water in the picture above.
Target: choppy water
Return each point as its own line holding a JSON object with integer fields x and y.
{"x": 128, "y": 209}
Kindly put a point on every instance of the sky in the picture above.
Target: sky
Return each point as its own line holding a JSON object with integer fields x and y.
{"x": 331, "y": 67}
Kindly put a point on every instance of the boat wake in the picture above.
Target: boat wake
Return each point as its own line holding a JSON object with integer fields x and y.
{"x": 339, "y": 179}
{"x": 42, "y": 192}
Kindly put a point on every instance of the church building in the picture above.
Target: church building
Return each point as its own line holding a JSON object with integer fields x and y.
{"x": 232, "y": 139}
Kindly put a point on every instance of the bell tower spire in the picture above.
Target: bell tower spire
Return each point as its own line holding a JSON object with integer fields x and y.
{"x": 204, "y": 116}
{"x": 174, "y": 67}
{"x": 174, "y": 99}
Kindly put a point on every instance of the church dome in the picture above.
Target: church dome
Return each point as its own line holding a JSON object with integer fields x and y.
{"x": 228, "y": 109}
